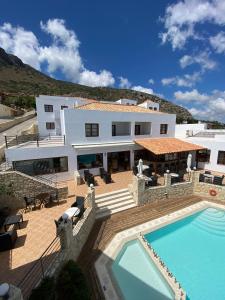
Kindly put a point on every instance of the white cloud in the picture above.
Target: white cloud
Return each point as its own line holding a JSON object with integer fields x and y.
{"x": 203, "y": 59}
{"x": 204, "y": 106}
{"x": 124, "y": 83}
{"x": 151, "y": 81}
{"x": 218, "y": 42}
{"x": 142, "y": 89}
{"x": 21, "y": 43}
{"x": 190, "y": 96}
{"x": 181, "y": 18}
{"x": 90, "y": 78}
{"x": 187, "y": 80}
{"x": 61, "y": 55}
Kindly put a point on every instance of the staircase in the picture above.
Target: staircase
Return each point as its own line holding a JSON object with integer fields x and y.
{"x": 111, "y": 203}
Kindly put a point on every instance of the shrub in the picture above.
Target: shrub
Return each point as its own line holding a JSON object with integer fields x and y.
{"x": 45, "y": 291}
{"x": 71, "y": 283}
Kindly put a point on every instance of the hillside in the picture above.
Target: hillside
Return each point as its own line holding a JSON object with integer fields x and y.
{"x": 17, "y": 78}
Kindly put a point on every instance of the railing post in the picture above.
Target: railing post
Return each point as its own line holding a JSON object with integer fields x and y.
{"x": 64, "y": 139}
{"x": 6, "y": 143}
{"x": 37, "y": 140}
{"x": 17, "y": 139}
{"x": 42, "y": 268}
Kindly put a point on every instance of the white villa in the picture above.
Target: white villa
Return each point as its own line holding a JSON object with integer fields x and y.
{"x": 213, "y": 139}
{"x": 77, "y": 134}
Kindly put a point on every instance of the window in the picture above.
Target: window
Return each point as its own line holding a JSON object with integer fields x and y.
{"x": 91, "y": 129}
{"x": 137, "y": 129}
{"x": 221, "y": 158}
{"x": 163, "y": 128}
{"x": 48, "y": 108}
{"x": 113, "y": 130}
{"x": 42, "y": 166}
{"x": 63, "y": 106}
{"x": 203, "y": 155}
{"x": 89, "y": 161}
{"x": 151, "y": 108}
{"x": 50, "y": 125}
{"x": 155, "y": 108}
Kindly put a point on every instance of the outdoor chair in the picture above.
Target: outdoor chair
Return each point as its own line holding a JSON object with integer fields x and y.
{"x": 174, "y": 180}
{"x": 90, "y": 180}
{"x": 7, "y": 240}
{"x": 102, "y": 172}
{"x": 86, "y": 174}
{"x": 147, "y": 172}
{"x": 181, "y": 176}
{"x": 80, "y": 204}
{"x": 207, "y": 172}
{"x": 135, "y": 170}
{"x": 218, "y": 180}
{"x": 107, "y": 178}
{"x": 29, "y": 202}
{"x": 54, "y": 198}
{"x": 154, "y": 181}
{"x": 201, "y": 177}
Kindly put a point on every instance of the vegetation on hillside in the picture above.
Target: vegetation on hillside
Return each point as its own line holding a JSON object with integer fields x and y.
{"x": 20, "y": 80}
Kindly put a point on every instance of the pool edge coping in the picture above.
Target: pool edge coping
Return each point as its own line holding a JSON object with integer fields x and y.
{"x": 103, "y": 263}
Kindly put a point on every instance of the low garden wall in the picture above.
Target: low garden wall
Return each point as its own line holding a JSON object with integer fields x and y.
{"x": 143, "y": 195}
{"x": 205, "y": 189}
{"x": 19, "y": 185}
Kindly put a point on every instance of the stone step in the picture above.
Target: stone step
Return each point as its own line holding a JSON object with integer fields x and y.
{"x": 104, "y": 213}
{"x": 118, "y": 200}
{"x": 97, "y": 197}
{"x": 112, "y": 197}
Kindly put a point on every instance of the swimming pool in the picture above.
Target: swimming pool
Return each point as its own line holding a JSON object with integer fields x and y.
{"x": 194, "y": 251}
{"x": 137, "y": 276}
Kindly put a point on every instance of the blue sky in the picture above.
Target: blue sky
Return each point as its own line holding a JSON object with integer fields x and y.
{"x": 170, "y": 48}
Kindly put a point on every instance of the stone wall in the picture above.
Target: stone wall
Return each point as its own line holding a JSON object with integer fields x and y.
{"x": 23, "y": 185}
{"x": 74, "y": 238}
{"x": 143, "y": 195}
{"x": 203, "y": 189}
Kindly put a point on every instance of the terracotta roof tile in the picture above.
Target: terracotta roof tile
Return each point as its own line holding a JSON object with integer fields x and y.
{"x": 167, "y": 145}
{"x": 116, "y": 108}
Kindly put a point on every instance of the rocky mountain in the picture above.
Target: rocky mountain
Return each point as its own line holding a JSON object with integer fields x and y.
{"x": 17, "y": 78}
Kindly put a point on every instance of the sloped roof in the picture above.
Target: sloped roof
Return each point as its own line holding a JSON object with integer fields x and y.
{"x": 116, "y": 108}
{"x": 167, "y": 145}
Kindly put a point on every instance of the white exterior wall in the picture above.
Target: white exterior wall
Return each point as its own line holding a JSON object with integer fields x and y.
{"x": 150, "y": 104}
{"x": 214, "y": 145}
{"x": 126, "y": 101}
{"x": 57, "y": 102}
{"x": 75, "y": 120}
{"x": 17, "y": 154}
{"x": 181, "y": 129}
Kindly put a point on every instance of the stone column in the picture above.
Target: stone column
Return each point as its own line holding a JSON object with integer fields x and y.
{"x": 138, "y": 189}
{"x": 65, "y": 232}
{"x": 167, "y": 179}
{"x": 91, "y": 196}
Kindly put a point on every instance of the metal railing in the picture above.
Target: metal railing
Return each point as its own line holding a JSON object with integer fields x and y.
{"x": 40, "y": 268}
{"x": 34, "y": 139}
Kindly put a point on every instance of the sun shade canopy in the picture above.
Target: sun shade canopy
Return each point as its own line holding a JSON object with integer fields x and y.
{"x": 167, "y": 145}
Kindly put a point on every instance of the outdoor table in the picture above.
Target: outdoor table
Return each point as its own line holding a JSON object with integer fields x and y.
{"x": 42, "y": 197}
{"x": 208, "y": 177}
{"x": 174, "y": 175}
{"x": 145, "y": 167}
{"x": 70, "y": 213}
{"x": 16, "y": 219}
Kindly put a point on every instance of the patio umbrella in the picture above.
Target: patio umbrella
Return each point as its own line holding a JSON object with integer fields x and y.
{"x": 189, "y": 159}
{"x": 140, "y": 167}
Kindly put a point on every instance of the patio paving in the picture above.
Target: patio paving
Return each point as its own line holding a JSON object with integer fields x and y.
{"x": 38, "y": 229}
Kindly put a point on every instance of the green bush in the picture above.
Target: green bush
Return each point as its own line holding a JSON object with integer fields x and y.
{"x": 45, "y": 291}
{"x": 71, "y": 283}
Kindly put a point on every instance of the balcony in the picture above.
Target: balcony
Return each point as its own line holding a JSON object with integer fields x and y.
{"x": 142, "y": 128}
{"x": 121, "y": 128}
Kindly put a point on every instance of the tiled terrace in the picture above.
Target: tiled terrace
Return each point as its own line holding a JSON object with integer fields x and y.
{"x": 38, "y": 229}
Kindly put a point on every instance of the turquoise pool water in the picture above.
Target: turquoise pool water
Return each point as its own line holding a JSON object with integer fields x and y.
{"x": 194, "y": 251}
{"x": 137, "y": 276}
